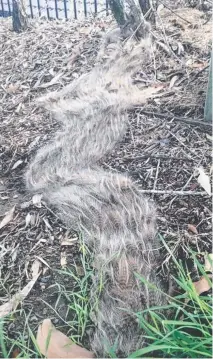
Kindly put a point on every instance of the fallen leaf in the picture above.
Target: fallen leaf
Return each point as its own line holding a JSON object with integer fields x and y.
{"x": 18, "y": 163}
{"x": 164, "y": 47}
{"x": 75, "y": 54}
{"x": 34, "y": 142}
{"x": 208, "y": 266}
{"x": 42, "y": 261}
{"x": 17, "y": 298}
{"x": 15, "y": 353}
{"x": 47, "y": 224}
{"x": 14, "y": 253}
{"x": 52, "y": 82}
{"x": 12, "y": 88}
{"x": 202, "y": 285}
{"x": 27, "y": 220}
{"x": 173, "y": 80}
{"x": 192, "y": 228}
{"x": 54, "y": 344}
{"x": 3, "y": 198}
{"x": 63, "y": 259}
{"x": 35, "y": 268}
{"x": 196, "y": 65}
{"x": 44, "y": 271}
{"x": 160, "y": 8}
{"x": 204, "y": 180}
{"x": 25, "y": 205}
{"x": 180, "y": 48}
{"x": 80, "y": 271}
{"x": 84, "y": 31}
{"x": 37, "y": 200}
{"x": 193, "y": 186}
{"x": 19, "y": 107}
{"x": 52, "y": 72}
{"x": 144, "y": 94}
{"x": 210, "y": 138}
{"x": 8, "y": 218}
{"x": 75, "y": 75}
{"x": 41, "y": 240}
{"x": 159, "y": 85}
{"x": 69, "y": 241}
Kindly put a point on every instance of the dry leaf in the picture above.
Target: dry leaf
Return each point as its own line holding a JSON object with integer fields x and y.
{"x": 44, "y": 270}
{"x": 210, "y": 138}
{"x": 63, "y": 259}
{"x": 196, "y": 65}
{"x": 202, "y": 285}
{"x": 146, "y": 93}
{"x": 54, "y": 344}
{"x": 193, "y": 186}
{"x": 75, "y": 75}
{"x": 41, "y": 240}
{"x": 192, "y": 228}
{"x": 180, "y": 48}
{"x": 52, "y": 82}
{"x": 18, "y": 163}
{"x": 15, "y": 353}
{"x": 204, "y": 180}
{"x": 35, "y": 268}
{"x": 12, "y": 88}
{"x": 47, "y": 224}
{"x": 208, "y": 262}
{"x": 37, "y": 200}
{"x": 19, "y": 107}
{"x": 80, "y": 271}
{"x": 34, "y": 142}
{"x": 27, "y": 220}
{"x": 8, "y": 217}
{"x": 85, "y": 31}
{"x": 25, "y": 205}
{"x": 52, "y": 72}
{"x": 69, "y": 241}
{"x": 42, "y": 261}
{"x": 13, "y": 303}
{"x": 173, "y": 80}
{"x": 76, "y": 52}
{"x": 14, "y": 253}
{"x": 160, "y": 8}
{"x": 164, "y": 47}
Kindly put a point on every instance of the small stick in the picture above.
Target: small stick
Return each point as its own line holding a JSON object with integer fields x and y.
{"x": 156, "y": 176}
{"x": 197, "y": 74}
{"x": 172, "y": 11}
{"x": 174, "y": 118}
{"x": 158, "y": 156}
{"x": 183, "y": 144}
{"x": 175, "y": 193}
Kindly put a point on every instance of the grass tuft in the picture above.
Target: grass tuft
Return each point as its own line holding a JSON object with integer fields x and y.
{"x": 181, "y": 329}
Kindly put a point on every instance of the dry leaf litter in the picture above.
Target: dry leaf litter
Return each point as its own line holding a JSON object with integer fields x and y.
{"x": 165, "y": 144}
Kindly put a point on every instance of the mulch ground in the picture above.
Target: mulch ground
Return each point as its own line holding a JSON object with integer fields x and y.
{"x": 166, "y": 141}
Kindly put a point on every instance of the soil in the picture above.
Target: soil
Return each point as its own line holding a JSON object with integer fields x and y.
{"x": 160, "y": 151}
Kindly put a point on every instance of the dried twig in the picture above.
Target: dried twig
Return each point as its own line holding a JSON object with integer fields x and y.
{"x": 174, "y": 193}
{"x": 198, "y": 74}
{"x": 157, "y": 156}
{"x": 156, "y": 176}
{"x": 188, "y": 121}
{"x": 175, "y": 13}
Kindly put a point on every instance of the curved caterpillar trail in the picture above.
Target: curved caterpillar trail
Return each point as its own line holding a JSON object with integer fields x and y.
{"x": 116, "y": 221}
